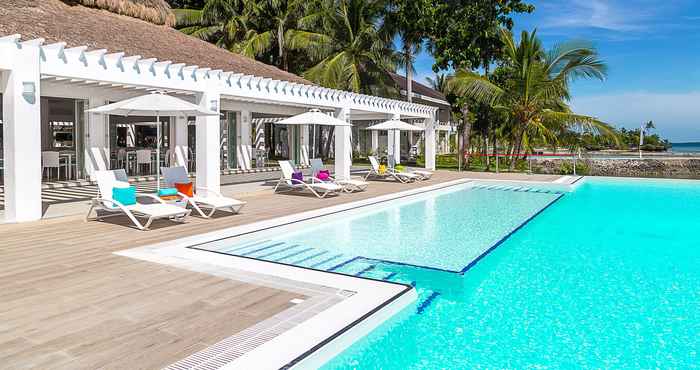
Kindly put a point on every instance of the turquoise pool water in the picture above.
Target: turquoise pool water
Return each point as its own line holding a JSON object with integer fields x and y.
{"x": 409, "y": 233}
{"x": 607, "y": 277}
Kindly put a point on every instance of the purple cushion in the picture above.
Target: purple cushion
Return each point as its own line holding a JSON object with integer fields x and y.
{"x": 298, "y": 176}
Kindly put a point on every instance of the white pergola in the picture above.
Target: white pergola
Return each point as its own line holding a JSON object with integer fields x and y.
{"x": 31, "y": 69}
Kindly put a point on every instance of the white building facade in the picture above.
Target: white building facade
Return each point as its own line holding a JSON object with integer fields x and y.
{"x": 40, "y": 83}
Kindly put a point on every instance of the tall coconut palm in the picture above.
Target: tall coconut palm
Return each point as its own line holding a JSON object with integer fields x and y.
{"x": 439, "y": 83}
{"x": 355, "y": 57}
{"x": 263, "y": 29}
{"x": 221, "y": 22}
{"x": 535, "y": 92}
{"x": 409, "y": 21}
{"x": 409, "y": 50}
{"x": 274, "y": 26}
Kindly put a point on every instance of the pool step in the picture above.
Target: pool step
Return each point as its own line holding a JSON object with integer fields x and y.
{"x": 295, "y": 254}
{"x": 516, "y": 188}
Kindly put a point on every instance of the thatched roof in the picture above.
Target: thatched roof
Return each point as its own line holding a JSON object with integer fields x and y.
{"x": 418, "y": 88}
{"x": 154, "y": 11}
{"x": 77, "y": 25}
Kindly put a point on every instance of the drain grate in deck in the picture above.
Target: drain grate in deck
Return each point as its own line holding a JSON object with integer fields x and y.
{"x": 237, "y": 345}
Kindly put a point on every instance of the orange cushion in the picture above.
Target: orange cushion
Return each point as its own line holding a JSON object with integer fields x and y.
{"x": 185, "y": 188}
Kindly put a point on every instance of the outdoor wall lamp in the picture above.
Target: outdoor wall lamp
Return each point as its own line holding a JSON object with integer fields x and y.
{"x": 29, "y": 91}
{"x": 215, "y": 105}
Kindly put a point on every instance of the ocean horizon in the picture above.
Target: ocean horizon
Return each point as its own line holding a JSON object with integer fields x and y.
{"x": 688, "y": 147}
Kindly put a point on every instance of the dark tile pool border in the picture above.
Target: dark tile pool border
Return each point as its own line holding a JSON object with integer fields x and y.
{"x": 504, "y": 238}
{"x": 407, "y": 288}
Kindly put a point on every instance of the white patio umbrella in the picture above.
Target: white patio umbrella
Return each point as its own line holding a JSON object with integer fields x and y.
{"x": 313, "y": 117}
{"x": 394, "y": 125}
{"x": 155, "y": 104}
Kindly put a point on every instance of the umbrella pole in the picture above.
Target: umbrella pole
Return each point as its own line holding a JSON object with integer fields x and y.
{"x": 158, "y": 153}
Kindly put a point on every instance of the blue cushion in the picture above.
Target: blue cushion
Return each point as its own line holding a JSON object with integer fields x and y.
{"x": 125, "y": 196}
{"x": 167, "y": 192}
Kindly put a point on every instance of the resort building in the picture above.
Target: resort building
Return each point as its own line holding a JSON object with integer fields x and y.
{"x": 60, "y": 59}
{"x": 446, "y": 128}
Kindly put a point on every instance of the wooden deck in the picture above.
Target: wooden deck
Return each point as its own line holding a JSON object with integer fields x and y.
{"x": 66, "y": 301}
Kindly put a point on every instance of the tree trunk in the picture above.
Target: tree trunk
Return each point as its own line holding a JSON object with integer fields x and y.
{"x": 495, "y": 147}
{"x": 517, "y": 147}
{"x": 466, "y": 132}
{"x": 486, "y": 149}
{"x": 280, "y": 45}
{"x": 409, "y": 74}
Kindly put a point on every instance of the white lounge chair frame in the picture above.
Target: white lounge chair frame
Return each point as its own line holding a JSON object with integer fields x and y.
{"x": 398, "y": 176}
{"x": 106, "y": 181}
{"x": 422, "y": 174}
{"x": 317, "y": 187}
{"x": 178, "y": 174}
{"x": 349, "y": 186}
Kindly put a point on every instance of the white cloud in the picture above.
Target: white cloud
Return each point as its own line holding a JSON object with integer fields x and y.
{"x": 601, "y": 14}
{"x": 676, "y": 115}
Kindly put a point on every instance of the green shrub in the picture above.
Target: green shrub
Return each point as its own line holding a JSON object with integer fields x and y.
{"x": 566, "y": 168}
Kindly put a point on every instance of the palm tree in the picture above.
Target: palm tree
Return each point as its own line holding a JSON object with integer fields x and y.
{"x": 407, "y": 20}
{"x": 264, "y": 29}
{"x": 535, "y": 92}
{"x": 274, "y": 25}
{"x": 409, "y": 50}
{"x": 439, "y": 83}
{"x": 221, "y": 22}
{"x": 355, "y": 56}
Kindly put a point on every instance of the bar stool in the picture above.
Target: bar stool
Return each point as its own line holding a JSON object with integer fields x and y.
{"x": 51, "y": 160}
{"x": 143, "y": 157}
{"x": 121, "y": 159}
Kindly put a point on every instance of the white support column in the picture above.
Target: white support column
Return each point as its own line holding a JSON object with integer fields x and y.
{"x": 96, "y": 141}
{"x": 180, "y": 152}
{"x": 375, "y": 142}
{"x": 343, "y": 147}
{"x": 208, "y": 139}
{"x": 395, "y": 141}
{"x": 245, "y": 140}
{"x": 22, "y": 135}
{"x": 259, "y": 142}
{"x": 304, "y": 143}
{"x": 429, "y": 143}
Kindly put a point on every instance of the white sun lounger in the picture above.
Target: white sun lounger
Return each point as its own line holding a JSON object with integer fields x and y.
{"x": 349, "y": 185}
{"x": 212, "y": 199}
{"x": 107, "y": 180}
{"x": 317, "y": 187}
{"x": 403, "y": 177}
{"x": 425, "y": 175}
{"x": 422, "y": 174}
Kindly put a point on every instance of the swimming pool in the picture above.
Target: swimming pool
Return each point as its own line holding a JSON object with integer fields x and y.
{"x": 607, "y": 276}
{"x": 404, "y": 234}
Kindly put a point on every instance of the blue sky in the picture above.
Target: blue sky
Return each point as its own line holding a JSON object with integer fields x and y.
{"x": 653, "y": 53}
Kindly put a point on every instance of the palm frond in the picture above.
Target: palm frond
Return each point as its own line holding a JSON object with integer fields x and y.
{"x": 477, "y": 87}
{"x": 187, "y": 17}
{"x": 256, "y": 43}
{"x": 580, "y": 122}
